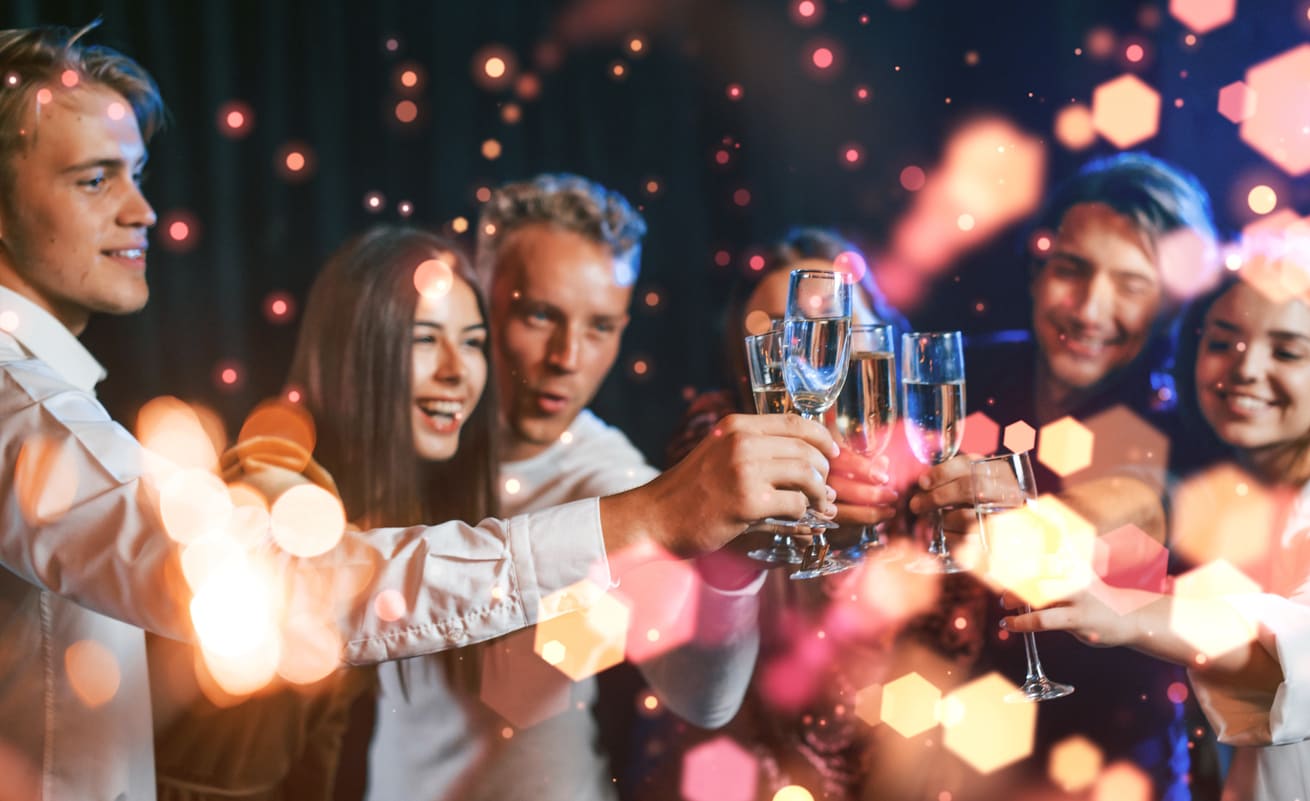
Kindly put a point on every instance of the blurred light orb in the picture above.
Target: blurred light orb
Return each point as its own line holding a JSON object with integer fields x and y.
{"x": 1262, "y": 199}
{"x": 822, "y": 57}
{"x": 433, "y": 278}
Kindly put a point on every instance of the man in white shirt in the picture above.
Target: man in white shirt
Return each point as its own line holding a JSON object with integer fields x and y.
{"x": 87, "y": 561}
{"x": 558, "y": 256}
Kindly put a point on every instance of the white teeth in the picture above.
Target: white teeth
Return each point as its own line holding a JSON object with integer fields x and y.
{"x": 446, "y": 407}
{"x": 131, "y": 253}
{"x": 1247, "y": 404}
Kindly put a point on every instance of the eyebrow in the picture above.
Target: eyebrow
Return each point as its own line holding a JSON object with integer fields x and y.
{"x": 107, "y": 163}
{"x": 1233, "y": 328}
{"x": 1083, "y": 261}
{"x": 442, "y": 327}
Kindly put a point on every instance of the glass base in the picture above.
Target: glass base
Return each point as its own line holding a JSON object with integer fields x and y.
{"x": 1042, "y": 689}
{"x": 936, "y": 563}
{"x": 777, "y": 555}
{"x": 828, "y": 567}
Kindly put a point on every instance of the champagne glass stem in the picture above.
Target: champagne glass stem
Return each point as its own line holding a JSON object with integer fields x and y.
{"x": 1035, "y": 672}
{"x": 938, "y": 546}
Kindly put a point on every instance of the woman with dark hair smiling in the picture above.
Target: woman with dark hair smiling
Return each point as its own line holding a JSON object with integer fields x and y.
{"x": 392, "y": 365}
{"x": 1244, "y": 364}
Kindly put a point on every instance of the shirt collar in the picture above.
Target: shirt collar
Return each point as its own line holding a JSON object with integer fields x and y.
{"x": 48, "y": 340}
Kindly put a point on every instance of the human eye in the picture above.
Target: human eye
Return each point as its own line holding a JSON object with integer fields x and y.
{"x": 1213, "y": 344}
{"x": 476, "y": 341}
{"x": 1284, "y": 354}
{"x": 94, "y": 182}
{"x": 537, "y": 315}
{"x": 423, "y": 338}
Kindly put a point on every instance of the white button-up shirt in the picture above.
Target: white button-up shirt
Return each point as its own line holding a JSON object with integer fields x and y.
{"x": 88, "y": 565}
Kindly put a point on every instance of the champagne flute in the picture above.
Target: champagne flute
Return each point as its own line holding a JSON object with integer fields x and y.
{"x": 816, "y": 352}
{"x": 1001, "y": 484}
{"x": 865, "y": 412}
{"x": 764, "y": 363}
{"x": 933, "y": 384}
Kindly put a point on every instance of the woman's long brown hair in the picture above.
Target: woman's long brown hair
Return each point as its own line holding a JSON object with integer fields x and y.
{"x": 353, "y": 366}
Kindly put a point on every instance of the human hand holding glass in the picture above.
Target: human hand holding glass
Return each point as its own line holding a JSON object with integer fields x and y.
{"x": 764, "y": 362}
{"x": 866, "y": 408}
{"x": 1003, "y": 484}
{"x": 816, "y": 353}
{"x": 932, "y": 369}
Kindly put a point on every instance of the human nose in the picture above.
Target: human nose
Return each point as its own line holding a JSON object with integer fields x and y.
{"x": 450, "y": 367}
{"x": 136, "y": 211}
{"x": 565, "y": 349}
{"x": 1095, "y": 301}
{"x": 1248, "y": 362}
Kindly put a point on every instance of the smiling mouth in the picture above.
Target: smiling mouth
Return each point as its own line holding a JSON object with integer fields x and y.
{"x": 1244, "y": 404}
{"x": 131, "y": 254}
{"x": 442, "y": 413}
{"x": 1085, "y": 345}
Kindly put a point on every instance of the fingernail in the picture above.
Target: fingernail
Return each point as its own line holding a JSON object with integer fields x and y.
{"x": 830, "y": 492}
{"x": 1005, "y": 623}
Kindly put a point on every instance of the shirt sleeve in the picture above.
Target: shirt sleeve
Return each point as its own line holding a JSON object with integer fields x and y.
{"x": 1242, "y": 716}
{"x": 81, "y": 519}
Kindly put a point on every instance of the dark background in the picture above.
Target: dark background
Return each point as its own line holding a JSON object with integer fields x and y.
{"x": 318, "y": 74}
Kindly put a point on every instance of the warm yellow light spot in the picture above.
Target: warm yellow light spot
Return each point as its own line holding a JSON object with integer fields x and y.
{"x": 69, "y": 78}
{"x": 407, "y": 111}
{"x": 433, "y": 278}
{"x": 389, "y": 605}
{"x": 494, "y": 67}
{"x": 307, "y": 520}
{"x": 984, "y": 728}
{"x": 1065, "y": 446}
{"x": 1074, "y": 764}
{"x": 409, "y": 78}
{"x": 965, "y": 222}
{"x": 310, "y": 651}
{"x": 1122, "y": 781}
{"x": 512, "y": 486}
{"x": 553, "y": 652}
{"x": 45, "y": 479}
{"x": 295, "y": 161}
{"x": 194, "y": 502}
{"x": 1261, "y": 199}
{"x": 793, "y": 792}
{"x": 650, "y": 702}
{"x": 459, "y": 225}
{"x": 909, "y": 704}
{"x": 491, "y": 149}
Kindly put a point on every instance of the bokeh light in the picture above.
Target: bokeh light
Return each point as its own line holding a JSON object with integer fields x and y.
{"x": 909, "y": 704}
{"x": 1209, "y": 507}
{"x": 981, "y": 435}
{"x": 92, "y": 672}
{"x": 1074, "y": 764}
{"x": 1261, "y": 199}
{"x": 1122, "y": 781}
{"x": 434, "y": 278}
{"x": 307, "y": 520}
{"x": 1276, "y": 129}
{"x": 1065, "y": 446}
{"x": 588, "y": 629}
{"x": 1042, "y": 552}
{"x": 1237, "y": 102}
{"x": 1202, "y": 617}
{"x": 185, "y": 435}
{"x": 984, "y": 728}
{"x": 1019, "y": 436}
{"x": 295, "y": 162}
{"x": 520, "y": 686}
{"x": 287, "y": 421}
{"x": 194, "y": 503}
{"x": 913, "y": 178}
{"x": 1203, "y": 16}
{"x": 181, "y": 231}
{"x": 1126, "y": 111}
{"x": 45, "y": 479}
{"x": 1074, "y": 127}
{"x": 494, "y": 67}
{"x": 235, "y": 119}
{"x": 719, "y": 770}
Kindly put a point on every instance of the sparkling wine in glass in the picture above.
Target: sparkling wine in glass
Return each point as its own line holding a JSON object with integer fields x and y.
{"x": 933, "y": 387}
{"x": 816, "y": 353}
{"x": 864, "y": 415}
{"x": 1001, "y": 484}
{"x": 764, "y": 363}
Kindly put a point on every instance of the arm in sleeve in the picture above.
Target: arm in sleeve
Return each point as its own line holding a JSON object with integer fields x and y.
{"x": 1243, "y": 716}
{"x": 80, "y": 519}
{"x": 705, "y": 680}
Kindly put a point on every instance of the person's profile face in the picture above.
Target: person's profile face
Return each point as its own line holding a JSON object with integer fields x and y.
{"x": 1253, "y": 369}
{"x": 73, "y": 221}
{"x": 447, "y": 345}
{"x": 559, "y": 305}
{"x": 1096, "y": 297}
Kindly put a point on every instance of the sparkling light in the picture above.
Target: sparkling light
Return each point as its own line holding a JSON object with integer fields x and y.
{"x": 374, "y": 201}
{"x": 494, "y": 67}
{"x": 1261, "y": 199}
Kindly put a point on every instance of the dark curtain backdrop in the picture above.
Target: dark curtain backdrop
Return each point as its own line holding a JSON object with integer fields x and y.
{"x": 318, "y": 74}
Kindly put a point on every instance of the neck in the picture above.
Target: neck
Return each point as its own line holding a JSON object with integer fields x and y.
{"x": 514, "y": 448}
{"x": 1053, "y": 396}
{"x": 1282, "y": 463}
{"x": 72, "y": 317}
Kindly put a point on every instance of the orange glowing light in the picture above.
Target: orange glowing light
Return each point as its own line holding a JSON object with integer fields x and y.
{"x": 1065, "y": 446}
{"x": 1074, "y": 128}
{"x": 494, "y": 67}
{"x": 1122, "y": 781}
{"x": 734, "y": 91}
{"x": 1126, "y": 111}
{"x": 1279, "y": 124}
{"x": 1019, "y": 436}
{"x": 92, "y": 672}
{"x": 909, "y": 704}
{"x": 491, "y": 150}
{"x": 235, "y": 119}
{"x": 409, "y": 78}
{"x": 295, "y": 161}
{"x": 406, "y": 111}
{"x": 179, "y": 230}
{"x": 45, "y": 480}
{"x": 636, "y": 45}
{"x": 459, "y": 225}
{"x": 434, "y": 278}
{"x": 1074, "y": 764}
{"x": 44, "y": 96}
{"x": 69, "y": 78}
{"x": 640, "y": 367}
{"x": 983, "y": 728}
{"x": 288, "y": 421}
{"x": 311, "y": 649}
{"x": 1237, "y": 102}
{"x": 581, "y": 630}
{"x": 793, "y": 792}
{"x": 1203, "y": 16}
{"x": 307, "y": 520}
{"x": 1261, "y": 199}
{"x": 194, "y": 503}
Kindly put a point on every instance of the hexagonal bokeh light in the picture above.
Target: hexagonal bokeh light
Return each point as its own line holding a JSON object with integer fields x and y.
{"x": 1209, "y": 511}
{"x": 1126, "y": 111}
{"x": 1121, "y": 439}
{"x": 719, "y": 770}
{"x": 1203, "y": 15}
{"x": 1074, "y": 764}
{"x": 1237, "y": 102}
{"x": 1201, "y": 616}
{"x": 981, "y": 434}
{"x": 1129, "y": 558}
{"x": 868, "y": 704}
{"x": 1074, "y": 128}
{"x": 1065, "y": 446}
{"x": 983, "y": 728}
{"x": 519, "y": 685}
{"x": 663, "y": 594}
{"x": 582, "y": 630}
{"x": 1019, "y": 436}
{"x": 1278, "y": 127}
{"x": 1042, "y": 552}
{"x": 909, "y": 704}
